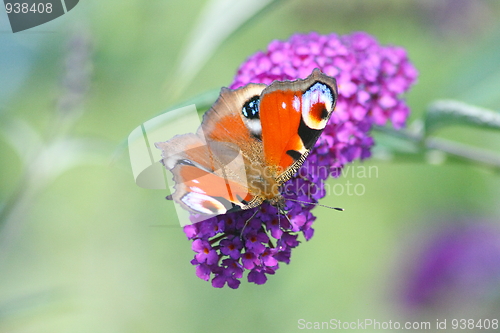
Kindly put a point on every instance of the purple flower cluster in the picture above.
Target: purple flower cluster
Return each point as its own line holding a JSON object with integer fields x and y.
{"x": 370, "y": 79}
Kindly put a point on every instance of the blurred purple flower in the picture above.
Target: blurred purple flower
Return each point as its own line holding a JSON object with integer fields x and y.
{"x": 371, "y": 79}
{"x": 460, "y": 264}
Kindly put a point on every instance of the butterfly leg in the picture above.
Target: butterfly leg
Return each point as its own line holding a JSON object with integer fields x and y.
{"x": 279, "y": 219}
{"x": 286, "y": 216}
{"x": 246, "y": 222}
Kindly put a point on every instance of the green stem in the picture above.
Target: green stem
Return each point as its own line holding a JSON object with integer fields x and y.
{"x": 465, "y": 152}
{"x": 459, "y": 151}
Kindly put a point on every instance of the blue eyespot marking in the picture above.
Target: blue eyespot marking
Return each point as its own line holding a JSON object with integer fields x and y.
{"x": 251, "y": 108}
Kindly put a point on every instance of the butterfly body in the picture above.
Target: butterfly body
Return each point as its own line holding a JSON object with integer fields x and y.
{"x": 251, "y": 141}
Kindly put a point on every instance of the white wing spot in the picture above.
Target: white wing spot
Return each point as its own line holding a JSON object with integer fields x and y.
{"x": 254, "y": 126}
{"x": 296, "y": 103}
{"x": 283, "y": 105}
{"x": 197, "y": 189}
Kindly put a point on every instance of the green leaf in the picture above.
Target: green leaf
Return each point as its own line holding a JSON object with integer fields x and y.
{"x": 22, "y": 137}
{"x": 202, "y": 101}
{"x": 30, "y": 303}
{"x": 450, "y": 112}
{"x": 219, "y": 20}
{"x": 478, "y": 82}
{"x": 46, "y": 161}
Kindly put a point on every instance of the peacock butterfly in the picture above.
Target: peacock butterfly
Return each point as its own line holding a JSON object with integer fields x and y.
{"x": 250, "y": 142}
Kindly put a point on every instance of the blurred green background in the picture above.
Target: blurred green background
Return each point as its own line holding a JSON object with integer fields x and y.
{"x": 83, "y": 249}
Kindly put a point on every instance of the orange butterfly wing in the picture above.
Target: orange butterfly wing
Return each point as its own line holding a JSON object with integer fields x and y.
{"x": 211, "y": 167}
{"x": 293, "y": 115}
{"x": 251, "y": 141}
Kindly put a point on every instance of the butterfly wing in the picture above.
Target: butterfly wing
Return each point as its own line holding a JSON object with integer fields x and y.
{"x": 293, "y": 116}
{"x": 206, "y": 176}
{"x": 211, "y": 167}
{"x": 251, "y": 140}
{"x": 226, "y": 124}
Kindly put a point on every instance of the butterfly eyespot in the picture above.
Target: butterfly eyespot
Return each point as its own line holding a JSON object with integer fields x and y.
{"x": 317, "y": 105}
{"x": 203, "y": 203}
{"x": 251, "y": 108}
{"x": 250, "y": 111}
{"x": 323, "y": 113}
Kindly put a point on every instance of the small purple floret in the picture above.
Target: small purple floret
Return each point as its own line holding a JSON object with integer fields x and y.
{"x": 231, "y": 247}
{"x": 205, "y": 252}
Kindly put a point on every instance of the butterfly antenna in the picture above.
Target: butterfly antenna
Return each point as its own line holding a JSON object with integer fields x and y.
{"x": 246, "y": 222}
{"x": 316, "y": 204}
